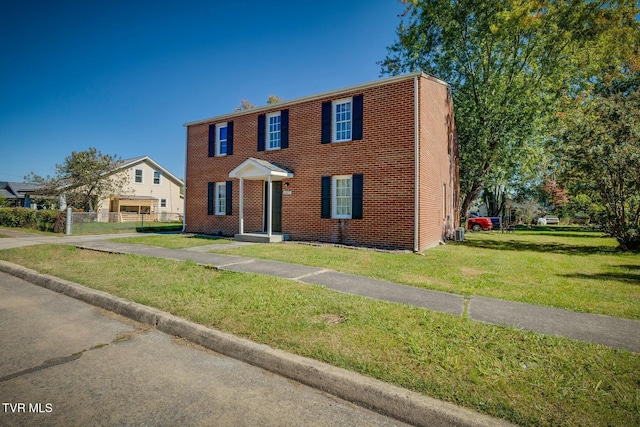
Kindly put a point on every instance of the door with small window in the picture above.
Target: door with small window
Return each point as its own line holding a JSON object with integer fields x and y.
{"x": 276, "y": 206}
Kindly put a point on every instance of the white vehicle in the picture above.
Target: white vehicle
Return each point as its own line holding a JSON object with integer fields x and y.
{"x": 548, "y": 220}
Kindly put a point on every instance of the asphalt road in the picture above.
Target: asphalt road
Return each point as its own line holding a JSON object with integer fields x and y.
{"x": 64, "y": 362}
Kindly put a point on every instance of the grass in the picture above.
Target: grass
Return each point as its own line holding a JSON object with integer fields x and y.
{"x": 524, "y": 377}
{"x": 173, "y": 241}
{"x": 7, "y": 231}
{"x": 95, "y": 227}
{"x": 557, "y": 267}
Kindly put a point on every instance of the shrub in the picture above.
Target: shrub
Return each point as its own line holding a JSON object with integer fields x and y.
{"x": 44, "y": 220}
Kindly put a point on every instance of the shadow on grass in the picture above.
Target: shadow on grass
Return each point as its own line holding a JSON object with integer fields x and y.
{"x": 630, "y": 278}
{"x": 574, "y": 234}
{"x": 512, "y": 245}
{"x": 159, "y": 228}
{"x": 201, "y": 237}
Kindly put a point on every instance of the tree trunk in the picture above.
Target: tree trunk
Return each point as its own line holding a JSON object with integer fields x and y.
{"x": 469, "y": 198}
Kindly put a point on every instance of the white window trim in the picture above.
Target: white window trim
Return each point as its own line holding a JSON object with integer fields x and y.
{"x": 219, "y": 186}
{"x": 159, "y": 177}
{"x": 218, "y": 127}
{"x": 334, "y": 196}
{"x": 160, "y": 203}
{"x": 334, "y": 124}
{"x": 268, "y": 134}
{"x": 141, "y": 176}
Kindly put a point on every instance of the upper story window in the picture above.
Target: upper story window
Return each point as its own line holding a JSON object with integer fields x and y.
{"x": 156, "y": 177}
{"x": 221, "y": 139}
{"x": 273, "y": 130}
{"x": 138, "y": 176}
{"x": 342, "y": 120}
{"x": 273, "y": 123}
{"x": 342, "y": 115}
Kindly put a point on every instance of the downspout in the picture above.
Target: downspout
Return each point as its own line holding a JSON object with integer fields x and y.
{"x": 184, "y": 201}
{"x": 416, "y": 179}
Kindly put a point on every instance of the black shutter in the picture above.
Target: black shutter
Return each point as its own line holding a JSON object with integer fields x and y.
{"x": 357, "y": 118}
{"x": 228, "y": 197}
{"x": 325, "y": 211}
{"x": 261, "y": 131}
{"x": 326, "y": 122}
{"x": 356, "y": 196}
{"x": 212, "y": 140}
{"x": 211, "y": 198}
{"x": 284, "y": 129}
{"x": 229, "y": 138}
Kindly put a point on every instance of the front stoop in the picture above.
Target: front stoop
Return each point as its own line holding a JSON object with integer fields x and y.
{"x": 261, "y": 237}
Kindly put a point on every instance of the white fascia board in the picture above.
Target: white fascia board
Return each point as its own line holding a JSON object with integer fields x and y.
{"x": 329, "y": 94}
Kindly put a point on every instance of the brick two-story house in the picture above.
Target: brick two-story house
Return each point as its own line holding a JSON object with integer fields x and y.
{"x": 374, "y": 164}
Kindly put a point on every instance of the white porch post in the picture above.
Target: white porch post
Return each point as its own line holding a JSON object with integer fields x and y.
{"x": 241, "y": 209}
{"x": 269, "y": 207}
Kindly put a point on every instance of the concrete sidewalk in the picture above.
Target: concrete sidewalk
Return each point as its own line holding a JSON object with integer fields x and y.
{"x": 386, "y": 399}
{"x": 609, "y": 331}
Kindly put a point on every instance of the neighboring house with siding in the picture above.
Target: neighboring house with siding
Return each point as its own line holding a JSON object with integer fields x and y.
{"x": 374, "y": 164}
{"x": 151, "y": 190}
{"x": 20, "y": 194}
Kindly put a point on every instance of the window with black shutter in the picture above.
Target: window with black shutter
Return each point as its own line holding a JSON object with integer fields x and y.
{"x": 261, "y": 131}
{"x": 229, "y": 198}
{"x": 326, "y": 122}
{"x": 356, "y": 201}
{"x": 211, "y": 198}
{"x": 325, "y": 210}
{"x": 284, "y": 129}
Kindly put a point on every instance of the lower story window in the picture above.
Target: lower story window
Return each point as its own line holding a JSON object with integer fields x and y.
{"x": 163, "y": 203}
{"x": 342, "y": 196}
{"x": 221, "y": 198}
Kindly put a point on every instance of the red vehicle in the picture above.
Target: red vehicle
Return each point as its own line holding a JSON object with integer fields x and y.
{"x": 479, "y": 223}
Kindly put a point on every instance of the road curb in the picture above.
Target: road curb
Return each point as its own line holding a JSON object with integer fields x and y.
{"x": 396, "y": 402}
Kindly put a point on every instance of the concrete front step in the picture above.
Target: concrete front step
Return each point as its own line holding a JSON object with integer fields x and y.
{"x": 261, "y": 237}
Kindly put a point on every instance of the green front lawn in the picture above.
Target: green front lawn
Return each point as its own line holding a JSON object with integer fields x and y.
{"x": 173, "y": 241}
{"x": 559, "y": 267}
{"x": 524, "y": 377}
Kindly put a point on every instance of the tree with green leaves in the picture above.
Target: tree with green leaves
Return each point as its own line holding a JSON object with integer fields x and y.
{"x": 508, "y": 62}
{"x": 599, "y": 149}
{"x": 84, "y": 178}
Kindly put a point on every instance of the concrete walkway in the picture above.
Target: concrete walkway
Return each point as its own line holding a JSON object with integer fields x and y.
{"x": 609, "y": 331}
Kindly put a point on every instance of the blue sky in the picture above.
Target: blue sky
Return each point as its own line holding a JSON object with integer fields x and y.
{"x": 124, "y": 76}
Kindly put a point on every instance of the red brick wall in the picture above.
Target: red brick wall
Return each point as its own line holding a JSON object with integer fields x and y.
{"x": 438, "y": 174}
{"x": 385, "y": 156}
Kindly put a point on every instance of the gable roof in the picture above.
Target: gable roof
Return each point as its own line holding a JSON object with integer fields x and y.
{"x": 256, "y": 168}
{"x": 128, "y": 163}
{"x": 17, "y": 190}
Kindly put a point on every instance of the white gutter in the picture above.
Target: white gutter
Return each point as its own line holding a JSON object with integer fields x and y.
{"x": 416, "y": 179}
{"x": 283, "y": 104}
{"x": 184, "y": 202}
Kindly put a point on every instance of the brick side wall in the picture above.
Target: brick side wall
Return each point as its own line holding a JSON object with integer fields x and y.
{"x": 438, "y": 173}
{"x": 385, "y": 157}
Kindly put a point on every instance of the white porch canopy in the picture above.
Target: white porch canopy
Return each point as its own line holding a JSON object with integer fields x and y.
{"x": 257, "y": 169}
